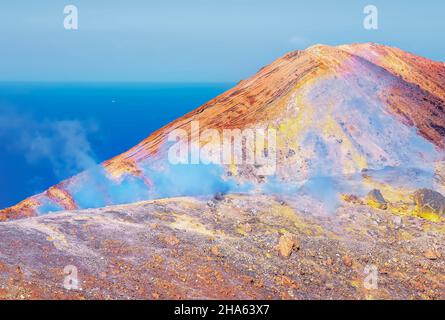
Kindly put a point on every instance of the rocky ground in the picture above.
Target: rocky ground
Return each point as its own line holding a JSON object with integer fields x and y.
{"x": 225, "y": 247}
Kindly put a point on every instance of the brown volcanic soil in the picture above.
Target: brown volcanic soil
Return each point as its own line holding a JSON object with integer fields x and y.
{"x": 200, "y": 248}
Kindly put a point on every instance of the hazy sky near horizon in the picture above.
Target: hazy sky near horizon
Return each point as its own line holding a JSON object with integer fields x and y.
{"x": 196, "y": 40}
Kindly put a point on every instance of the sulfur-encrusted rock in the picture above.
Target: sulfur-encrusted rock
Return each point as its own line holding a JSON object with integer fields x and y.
{"x": 429, "y": 202}
{"x": 375, "y": 199}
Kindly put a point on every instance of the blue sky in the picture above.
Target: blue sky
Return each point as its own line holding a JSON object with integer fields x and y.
{"x": 195, "y": 40}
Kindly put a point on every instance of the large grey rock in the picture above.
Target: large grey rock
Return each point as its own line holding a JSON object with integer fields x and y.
{"x": 429, "y": 201}
{"x": 376, "y": 199}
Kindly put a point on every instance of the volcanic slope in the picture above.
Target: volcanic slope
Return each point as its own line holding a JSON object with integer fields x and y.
{"x": 347, "y": 118}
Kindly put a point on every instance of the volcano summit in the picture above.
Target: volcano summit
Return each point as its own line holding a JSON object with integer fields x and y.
{"x": 348, "y": 119}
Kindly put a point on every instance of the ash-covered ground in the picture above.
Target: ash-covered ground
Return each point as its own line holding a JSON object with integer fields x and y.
{"x": 228, "y": 247}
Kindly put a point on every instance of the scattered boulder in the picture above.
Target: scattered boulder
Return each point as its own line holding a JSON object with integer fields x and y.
{"x": 428, "y": 201}
{"x": 432, "y": 254}
{"x": 375, "y": 199}
{"x": 347, "y": 261}
{"x": 219, "y": 196}
{"x": 287, "y": 243}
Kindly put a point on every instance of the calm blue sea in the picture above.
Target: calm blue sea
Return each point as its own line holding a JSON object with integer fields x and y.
{"x": 36, "y": 118}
